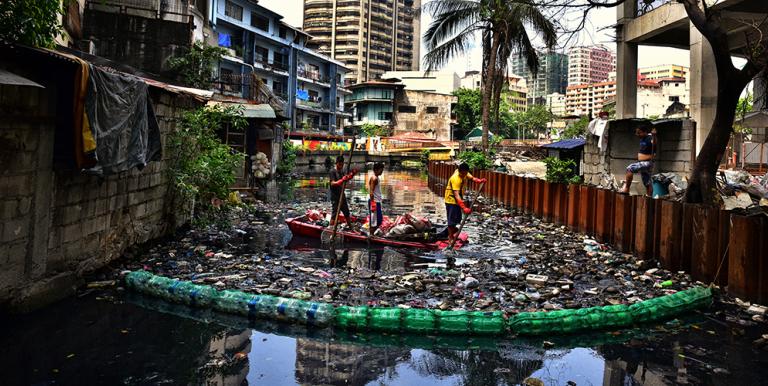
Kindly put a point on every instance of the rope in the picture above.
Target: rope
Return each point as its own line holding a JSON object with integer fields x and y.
{"x": 719, "y": 267}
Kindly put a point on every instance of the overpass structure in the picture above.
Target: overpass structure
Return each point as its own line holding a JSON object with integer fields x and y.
{"x": 667, "y": 25}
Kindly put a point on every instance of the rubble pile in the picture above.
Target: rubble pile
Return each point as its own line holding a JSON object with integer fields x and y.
{"x": 741, "y": 190}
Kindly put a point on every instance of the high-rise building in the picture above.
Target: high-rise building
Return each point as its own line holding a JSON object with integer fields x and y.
{"x": 370, "y": 37}
{"x": 590, "y": 64}
{"x": 551, "y": 77}
{"x": 663, "y": 71}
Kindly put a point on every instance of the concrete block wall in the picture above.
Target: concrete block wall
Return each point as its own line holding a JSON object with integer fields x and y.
{"x": 58, "y": 223}
{"x": 674, "y": 153}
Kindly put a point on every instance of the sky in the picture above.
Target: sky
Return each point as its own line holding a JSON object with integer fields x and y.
{"x": 293, "y": 10}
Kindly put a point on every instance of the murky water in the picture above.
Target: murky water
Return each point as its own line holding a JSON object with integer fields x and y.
{"x": 114, "y": 337}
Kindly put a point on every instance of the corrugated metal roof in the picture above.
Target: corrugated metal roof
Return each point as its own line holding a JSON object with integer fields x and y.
{"x": 263, "y": 110}
{"x": 566, "y": 144}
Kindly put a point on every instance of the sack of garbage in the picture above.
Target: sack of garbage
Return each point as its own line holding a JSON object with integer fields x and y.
{"x": 400, "y": 230}
{"x": 314, "y": 215}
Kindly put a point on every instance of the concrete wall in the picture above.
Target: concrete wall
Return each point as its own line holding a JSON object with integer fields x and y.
{"x": 57, "y": 224}
{"x": 435, "y": 125}
{"x": 674, "y": 153}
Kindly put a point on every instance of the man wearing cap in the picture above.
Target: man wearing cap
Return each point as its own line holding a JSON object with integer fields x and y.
{"x": 454, "y": 198}
{"x": 338, "y": 178}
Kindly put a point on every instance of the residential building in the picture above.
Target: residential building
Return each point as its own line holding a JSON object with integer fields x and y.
{"x": 472, "y": 80}
{"x": 555, "y": 103}
{"x": 444, "y": 82}
{"x": 388, "y": 104}
{"x": 590, "y": 64}
{"x": 262, "y": 49}
{"x": 142, "y": 34}
{"x": 517, "y": 95}
{"x": 663, "y": 71}
{"x": 551, "y": 77}
{"x": 370, "y": 37}
{"x": 654, "y": 98}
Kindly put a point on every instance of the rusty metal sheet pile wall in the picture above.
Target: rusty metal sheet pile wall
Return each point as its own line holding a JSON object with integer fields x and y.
{"x": 684, "y": 237}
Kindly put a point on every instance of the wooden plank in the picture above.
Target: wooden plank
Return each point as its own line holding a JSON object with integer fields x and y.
{"x": 643, "y": 230}
{"x": 746, "y": 265}
{"x": 587, "y": 209}
{"x": 548, "y": 200}
{"x": 623, "y": 223}
{"x": 724, "y": 231}
{"x": 670, "y": 235}
{"x": 656, "y": 241}
{"x": 686, "y": 237}
{"x": 704, "y": 248}
{"x": 508, "y": 190}
{"x": 604, "y": 215}
{"x": 530, "y": 185}
{"x": 560, "y": 202}
{"x": 572, "y": 217}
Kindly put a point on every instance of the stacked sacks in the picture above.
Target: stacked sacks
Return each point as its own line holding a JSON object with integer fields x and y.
{"x": 260, "y": 165}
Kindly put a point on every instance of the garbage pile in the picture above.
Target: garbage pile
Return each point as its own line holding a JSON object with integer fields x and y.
{"x": 741, "y": 190}
{"x": 554, "y": 268}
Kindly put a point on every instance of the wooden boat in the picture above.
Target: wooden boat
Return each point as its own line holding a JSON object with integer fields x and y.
{"x": 300, "y": 227}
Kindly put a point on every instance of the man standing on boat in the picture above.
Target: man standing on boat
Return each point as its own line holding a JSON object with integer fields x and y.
{"x": 454, "y": 198}
{"x": 375, "y": 199}
{"x": 338, "y": 178}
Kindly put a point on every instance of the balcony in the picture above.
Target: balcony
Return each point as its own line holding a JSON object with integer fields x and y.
{"x": 230, "y": 84}
{"x": 313, "y": 104}
{"x": 314, "y": 76}
{"x": 174, "y": 11}
{"x": 271, "y": 65}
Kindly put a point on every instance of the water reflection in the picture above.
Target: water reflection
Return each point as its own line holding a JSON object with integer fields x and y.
{"x": 135, "y": 340}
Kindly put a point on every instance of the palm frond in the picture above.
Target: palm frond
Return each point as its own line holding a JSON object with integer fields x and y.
{"x": 445, "y": 25}
{"x": 456, "y": 46}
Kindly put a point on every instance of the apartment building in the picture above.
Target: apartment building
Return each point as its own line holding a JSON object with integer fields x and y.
{"x": 388, "y": 104}
{"x": 370, "y": 37}
{"x": 654, "y": 98}
{"x": 517, "y": 95}
{"x": 555, "y": 103}
{"x": 663, "y": 71}
{"x": 551, "y": 77}
{"x": 443, "y": 82}
{"x": 262, "y": 49}
{"x": 590, "y": 64}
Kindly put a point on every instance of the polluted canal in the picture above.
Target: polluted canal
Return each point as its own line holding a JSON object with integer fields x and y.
{"x": 514, "y": 263}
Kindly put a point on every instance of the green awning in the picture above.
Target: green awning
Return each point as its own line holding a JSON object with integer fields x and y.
{"x": 477, "y": 134}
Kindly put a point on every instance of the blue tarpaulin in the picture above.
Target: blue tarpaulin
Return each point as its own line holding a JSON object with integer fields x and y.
{"x": 225, "y": 40}
{"x": 302, "y": 95}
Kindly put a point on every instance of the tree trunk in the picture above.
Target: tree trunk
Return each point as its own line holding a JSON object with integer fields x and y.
{"x": 488, "y": 87}
{"x": 702, "y": 187}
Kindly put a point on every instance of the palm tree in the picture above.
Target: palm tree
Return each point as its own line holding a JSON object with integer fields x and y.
{"x": 502, "y": 27}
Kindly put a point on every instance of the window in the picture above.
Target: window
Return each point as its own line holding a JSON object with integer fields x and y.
{"x": 406, "y": 109}
{"x": 261, "y": 54}
{"x": 233, "y": 10}
{"x": 385, "y": 116}
{"x": 283, "y": 32}
{"x": 431, "y": 110}
{"x": 259, "y": 21}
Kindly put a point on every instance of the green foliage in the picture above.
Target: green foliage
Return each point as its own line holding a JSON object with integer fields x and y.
{"x": 202, "y": 168}
{"x": 195, "y": 68}
{"x": 31, "y": 22}
{"x": 576, "y": 129}
{"x": 742, "y": 108}
{"x": 425, "y": 156}
{"x": 610, "y": 108}
{"x": 288, "y": 161}
{"x": 476, "y": 159}
{"x": 372, "y": 130}
{"x": 468, "y": 111}
{"x": 561, "y": 171}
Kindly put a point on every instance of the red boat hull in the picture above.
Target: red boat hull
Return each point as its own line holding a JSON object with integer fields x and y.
{"x": 301, "y": 228}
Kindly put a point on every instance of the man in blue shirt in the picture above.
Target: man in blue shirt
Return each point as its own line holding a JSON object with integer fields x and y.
{"x": 644, "y": 164}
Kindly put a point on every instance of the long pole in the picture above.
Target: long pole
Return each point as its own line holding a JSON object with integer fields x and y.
{"x": 464, "y": 220}
{"x": 342, "y": 195}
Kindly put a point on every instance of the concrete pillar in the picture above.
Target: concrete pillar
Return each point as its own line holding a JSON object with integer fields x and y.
{"x": 760, "y": 93}
{"x": 703, "y": 80}
{"x": 626, "y": 64}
